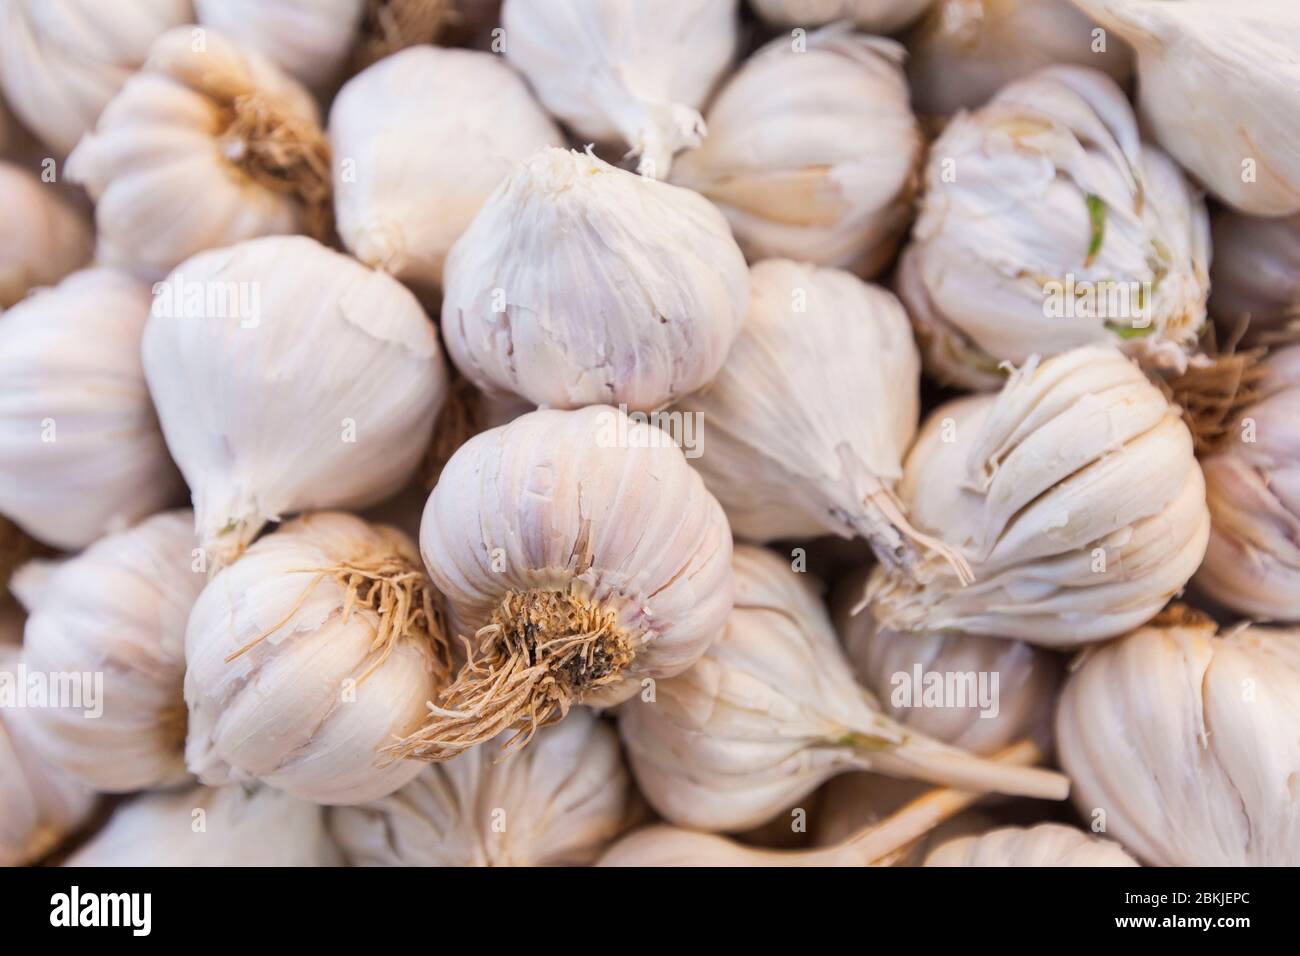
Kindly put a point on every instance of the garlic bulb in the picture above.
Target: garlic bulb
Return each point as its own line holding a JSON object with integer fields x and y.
{"x": 1005, "y": 690}
{"x": 39, "y": 803}
{"x": 1048, "y": 844}
{"x": 1073, "y": 494}
{"x": 61, "y": 61}
{"x": 874, "y": 16}
{"x": 308, "y": 39}
{"x": 964, "y": 51}
{"x": 118, "y": 610}
{"x": 583, "y": 557}
{"x": 44, "y": 237}
{"x": 329, "y": 376}
{"x": 201, "y": 826}
{"x": 809, "y": 418}
{"x": 813, "y": 152}
{"x": 772, "y": 711}
{"x": 1182, "y": 744}
{"x": 420, "y": 140}
{"x": 1252, "y": 564}
{"x": 618, "y": 289}
{"x": 559, "y": 803}
{"x": 1255, "y": 275}
{"x": 1219, "y": 85}
{"x": 307, "y": 655}
{"x": 213, "y": 129}
{"x": 80, "y": 449}
{"x": 636, "y": 70}
{"x": 1048, "y": 224}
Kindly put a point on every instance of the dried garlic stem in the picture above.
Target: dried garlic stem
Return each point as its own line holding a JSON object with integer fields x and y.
{"x": 541, "y": 652}
{"x": 392, "y": 25}
{"x": 1213, "y": 391}
{"x": 885, "y": 519}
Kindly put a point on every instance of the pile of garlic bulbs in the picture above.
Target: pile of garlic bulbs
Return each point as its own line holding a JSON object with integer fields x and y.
{"x": 642, "y": 433}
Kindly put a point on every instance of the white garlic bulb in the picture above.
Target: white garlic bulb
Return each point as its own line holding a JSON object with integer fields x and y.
{"x": 616, "y": 288}
{"x": 308, "y": 654}
{"x": 835, "y": 185}
{"x": 1074, "y": 495}
{"x": 772, "y": 711}
{"x": 1219, "y": 85}
{"x": 558, "y": 803}
{"x": 203, "y": 826}
{"x": 1182, "y": 743}
{"x": 211, "y": 128}
{"x": 636, "y": 70}
{"x": 61, "y": 61}
{"x": 874, "y": 16}
{"x": 419, "y": 142}
{"x": 584, "y": 558}
{"x": 1255, "y": 275}
{"x": 80, "y": 449}
{"x": 806, "y": 424}
{"x": 44, "y": 237}
{"x": 329, "y": 377}
{"x": 963, "y": 51}
{"x": 1252, "y": 482}
{"x": 1047, "y": 844}
{"x": 308, "y": 39}
{"x": 118, "y": 610}
{"x": 1047, "y": 224}
{"x": 39, "y": 803}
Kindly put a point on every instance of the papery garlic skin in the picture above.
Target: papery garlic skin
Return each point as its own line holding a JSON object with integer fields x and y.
{"x": 874, "y": 16}
{"x": 1252, "y": 564}
{"x": 1047, "y": 844}
{"x": 1255, "y": 276}
{"x": 44, "y": 237}
{"x": 308, "y": 39}
{"x": 240, "y": 827}
{"x": 635, "y": 70}
{"x": 329, "y": 376}
{"x": 288, "y": 682}
{"x": 1186, "y": 742}
{"x": 1219, "y": 86}
{"x": 1047, "y": 224}
{"x": 1073, "y": 494}
{"x": 118, "y": 610}
{"x": 61, "y": 61}
{"x": 80, "y": 449}
{"x": 813, "y": 153}
{"x": 964, "y": 51}
{"x": 558, "y": 803}
{"x": 419, "y": 142}
{"x": 580, "y": 284}
{"x": 164, "y": 162}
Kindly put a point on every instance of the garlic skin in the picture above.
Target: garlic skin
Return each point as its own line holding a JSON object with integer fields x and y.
{"x": 61, "y": 61}
{"x": 80, "y": 449}
{"x": 835, "y": 186}
{"x": 44, "y": 237}
{"x": 308, "y": 39}
{"x": 873, "y": 16}
{"x": 419, "y": 142}
{"x": 119, "y": 609}
{"x": 39, "y": 803}
{"x": 1252, "y": 564}
{"x": 635, "y": 70}
{"x": 619, "y": 289}
{"x": 558, "y": 803}
{"x": 330, "y": 375}
{"x": 1073, "y": 494}
{"x": 209, "y": 127}
{"x": 1219, "y": 86}
{"x": 307, "y": 655}
{"x": 1047, "y": 224}
{"x": 1186, "y": 741}
{"x": 963, "y": 51}
{"x": 202, "y": 826}
{"x": 772, "y": 711}
{"x": 1255, "y": 275}
{"x": 1047, "y": 844}
{"x": 585, "y": 528}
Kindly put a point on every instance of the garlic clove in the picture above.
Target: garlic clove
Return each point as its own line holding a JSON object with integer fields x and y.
{"x": 44, "y": 237}
{"x": 1047, "y": 844}
{"x": 874, "y": 16}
